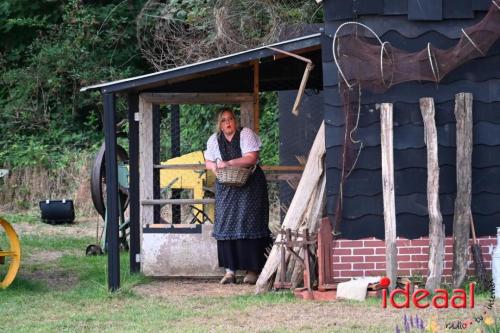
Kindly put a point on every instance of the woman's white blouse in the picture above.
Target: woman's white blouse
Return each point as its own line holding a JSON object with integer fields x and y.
{"x": 249, "y": 141}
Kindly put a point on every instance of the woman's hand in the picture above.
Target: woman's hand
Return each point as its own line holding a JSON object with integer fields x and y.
{"x": 222, "y": 164}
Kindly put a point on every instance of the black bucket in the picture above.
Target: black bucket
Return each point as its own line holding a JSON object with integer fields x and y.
{"x": 57, "y": 211}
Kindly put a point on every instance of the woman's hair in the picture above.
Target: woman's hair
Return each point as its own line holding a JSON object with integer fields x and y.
{"x": 219, "y": 118}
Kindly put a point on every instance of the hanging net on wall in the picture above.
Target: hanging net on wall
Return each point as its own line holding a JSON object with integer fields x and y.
{"x": 366, "y": 62}
{"x": 362, "y": 58}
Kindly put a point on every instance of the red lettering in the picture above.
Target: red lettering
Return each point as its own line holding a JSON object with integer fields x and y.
{"x": 406, "y": 293}
{"x": 460, "y": 295}
{"x": 471, "y": 290}
{"x": 441, "y": 294}
{"x": 384, "y": 298}
{"x": 417, "y": 298}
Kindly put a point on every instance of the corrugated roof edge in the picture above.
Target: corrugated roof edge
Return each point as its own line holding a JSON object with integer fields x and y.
{"x": 213, "y": 60}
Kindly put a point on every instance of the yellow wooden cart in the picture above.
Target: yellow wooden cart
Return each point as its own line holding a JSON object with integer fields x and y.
{"x": 10, "y": 254}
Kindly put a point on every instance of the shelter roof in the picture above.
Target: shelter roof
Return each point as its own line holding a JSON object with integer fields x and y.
{"x": 232, "y": 73}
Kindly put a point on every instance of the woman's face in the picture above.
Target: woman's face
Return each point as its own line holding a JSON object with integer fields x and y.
{"x": 227, "y": 123}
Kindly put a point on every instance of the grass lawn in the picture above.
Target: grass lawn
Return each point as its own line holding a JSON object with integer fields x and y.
{"x": 59, "y": 289}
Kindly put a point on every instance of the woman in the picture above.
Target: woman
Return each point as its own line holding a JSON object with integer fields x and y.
{"x": 241, "y": 213}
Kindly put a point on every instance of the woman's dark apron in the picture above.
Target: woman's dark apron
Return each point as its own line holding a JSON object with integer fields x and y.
{"x": 241, "y": 216}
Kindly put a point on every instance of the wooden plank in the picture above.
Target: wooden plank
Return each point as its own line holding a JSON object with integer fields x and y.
{"x": 425, "y": 10}
{"x": 366, "y": 7}
{"x": 246, "y": 115}
{"x": 395, "y": 7}
{"x": 457, "y": 9}
{"x": 271, "y": 168}
{"x": 436, "y": 226}
{"x": 256, "y": 105}
{"x": 386, "y": 137}
{"x": 197, "y": 98}
{"x": 153, "y": 202}
{"x": 461, "y": 219}
{"x": 298, "y": 207}
{"x": 145, "y": 159}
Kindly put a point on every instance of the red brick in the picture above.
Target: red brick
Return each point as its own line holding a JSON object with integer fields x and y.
{"x": 403, "y": 242}
{"x": 336, "y": 258}
{"x": 448, "y": 264}
{"x": 409, "y": 250}
{"x": 425, "y": 250}
{"x": 420, "y": 257}
{"x": 363, "y": 266}
{"x": 375, "y": 259}
{"x": 448, "y": 249}
{"x": 380, "y": 265}
{"x": 374, "y": 243}
{"x": 351, "y": 259}
{"x": 339, "y": 252}
{"x": 342, "y": 266}
{"x": 404, "y": 258}
{"x": 409, "y": 265}
{"x": 487, "y": 241}
{"x": 447, "y": 271}
{"x": 352, "y": 273}
{"x": 448, "y": 241}
{"x": 380, "y": 250}
{"x": 379, "y": 272}
{"x": 351, "y": 243}
{"x": 448, "y": 257}
{"x": 420, "y": 242}
{"x": 363, "y": 251}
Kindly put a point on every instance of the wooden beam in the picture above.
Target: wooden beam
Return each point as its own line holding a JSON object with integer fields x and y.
{"x": 246, "y": 115}
{"x": 135, "y": 226}
{"x": 277, "y": 168}
{"x": 154, "y": 202}
{"x": 386, "y": 138}
{"x": 436, "y": 226}
{"x": 461, "y": 218}
{"x": 309, "y": 185}
{"x": 146, "y": 159}
{"x": 112, "y": 216}
{"x": 256, "y": 88}
{"x": 197, "y": 98}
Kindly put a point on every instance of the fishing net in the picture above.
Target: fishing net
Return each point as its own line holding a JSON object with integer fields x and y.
{"x": 366, "y": 62}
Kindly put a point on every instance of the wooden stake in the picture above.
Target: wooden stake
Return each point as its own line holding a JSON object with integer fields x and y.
{"x": 461, "y": 219}
{"x": 297, "y": 211}
{"x": 436, "y": 227}
{"x": 386, "y": 139}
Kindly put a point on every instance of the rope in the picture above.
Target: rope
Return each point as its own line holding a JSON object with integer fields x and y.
{"x": 430, "y": 60}
{"x": 382, "y": 49}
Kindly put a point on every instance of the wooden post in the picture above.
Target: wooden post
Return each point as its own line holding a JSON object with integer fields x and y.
{"x": 256, "y": 105}
{"x": 388, "y": 192}
{"x": 112, "y": 220}
{"x": 436, "y": 227}
{"x": 146, "y": 160}
{"x": 298, "y": 210}
{"x": 246, "y": 115}
{"x": 461, "y": 219}
{"x": 135, "y": 227}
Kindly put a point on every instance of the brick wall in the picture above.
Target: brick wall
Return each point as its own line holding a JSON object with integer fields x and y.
{"x": 365, "y": 257}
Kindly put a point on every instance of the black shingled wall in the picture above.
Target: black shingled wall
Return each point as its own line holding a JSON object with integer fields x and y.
{"x": 405, "y": 27}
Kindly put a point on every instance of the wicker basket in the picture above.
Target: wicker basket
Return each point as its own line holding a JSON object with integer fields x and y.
{"x": 234, "y": 176}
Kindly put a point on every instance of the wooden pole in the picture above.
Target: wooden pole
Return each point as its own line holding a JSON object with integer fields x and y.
{"x": 386, "y": 138}
{"x": 436, "y": 227}
{"x": 256, "y": 88}
{"x": 297, "y": 211}
{"x": 461, "y": 219}
{"x": 146, "y": 160}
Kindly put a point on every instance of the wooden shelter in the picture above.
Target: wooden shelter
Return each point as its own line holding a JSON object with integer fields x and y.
{"x": 237, "y": 79}
{"x": 408, "y": 25}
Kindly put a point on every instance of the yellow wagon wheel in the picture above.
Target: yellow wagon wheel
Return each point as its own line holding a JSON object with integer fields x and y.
{"x": 14, "y": 253}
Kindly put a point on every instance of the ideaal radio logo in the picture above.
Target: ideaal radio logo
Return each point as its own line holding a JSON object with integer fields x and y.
{"x": 458, "y": 298}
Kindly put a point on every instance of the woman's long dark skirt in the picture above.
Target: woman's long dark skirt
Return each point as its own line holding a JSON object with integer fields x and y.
{"x": 243, "y": 254}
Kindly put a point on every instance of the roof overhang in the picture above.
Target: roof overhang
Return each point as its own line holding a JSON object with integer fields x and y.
{"x": 231, "y": 72}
